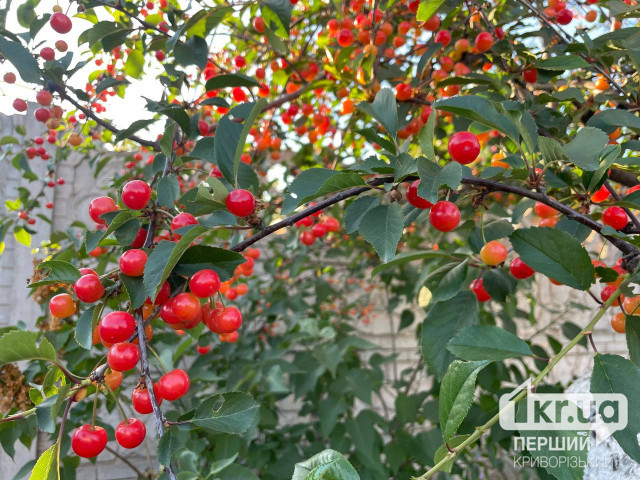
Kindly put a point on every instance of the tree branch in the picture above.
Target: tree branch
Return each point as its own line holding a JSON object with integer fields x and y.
{"x": 144, "y": 368}
{"x": 89, "y": 113}
{"x": 627, "y": 249}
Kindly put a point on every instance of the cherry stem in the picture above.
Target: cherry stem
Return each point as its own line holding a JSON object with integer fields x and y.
{"x": 95, "y": 408}
{"x": 593, "y": 344}
{"x": 155, "y": 354}
{"x": 115, "y": 399}
{"x": 67, "y": 409}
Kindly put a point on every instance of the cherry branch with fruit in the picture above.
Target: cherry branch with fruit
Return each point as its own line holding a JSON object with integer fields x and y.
{"x": 304, "y": 168}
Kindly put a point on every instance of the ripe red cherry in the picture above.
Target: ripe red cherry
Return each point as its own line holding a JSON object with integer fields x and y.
{"x": 132, "y": 262}
{"x": 530, "y": 75}
{"x": 443, "y": 37}
{"x": 203, "y": 350}
{"x": 60, "y": 22}
{"x": 330, "y": 223}
{"x": 606, "y": 293}
{"x": 228, "y": 320}
{"x": 88, "y": 288}
{"x": 240, "y": 202}
{"x": 484, "y": 41}
{"x": 345, "y": 38}
{"x": 185, "y": 306}
{"x": 142, "y": 402}
{"x": 130, "y": 433}
{"x": 258, "y": 24}
{"x": 136, "y": 194}
{"x": 100, "y": 206}
{"x": 464, "y": 147}
{"x": 601, "y": 195}
{"x": 414, "y": 199}
{"x": 182, "y": 220}
{"x": 174, "y": 384}
{"x": 319, "y": 230}
{"x": 444, "y": 216}
{"x": 42, "y": 114}
{"x": 229, "y": 337}
{"x": 163, "y": 294}
{"x": 19, "y": 105}
{"x": 432, "y": 24}
{"x": 519, "y": 269}
{"x": 117, "y": 327}
{"x": 48, "y": 53}
{"x": 615, "y": 217}
{"x": 43, "y": 97}
{"x": 88, "y": 271}
{"x": 123, "y": 356}
{"x": 9, "y": 77}
{"x": 564, "y": 17}
{"x": 477, "y": 287}
{"x": 62, "y": 306}
{"x": 141, "y": 236}
{"x": 88, "y": 441}
{"x": 307, "y": 237}
{"x": 204, "y": 283}
{"x": 544, "y": 211}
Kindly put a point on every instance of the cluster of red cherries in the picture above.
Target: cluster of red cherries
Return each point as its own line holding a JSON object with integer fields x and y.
{"x": 184, "y": 310}
{"x": 319, "y": 228}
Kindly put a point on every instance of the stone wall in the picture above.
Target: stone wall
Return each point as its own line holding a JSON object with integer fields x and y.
{"x": 71, "y": 201}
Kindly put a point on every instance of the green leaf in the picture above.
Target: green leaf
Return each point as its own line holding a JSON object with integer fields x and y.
{"x": 164, "y": 257}
{"x": 200, "y": 257}
{"x": 425, "y": 136}
{"x": 427, "y": 9}
{"x": 46, "y": 466}
{"x": 382, "y": 227}
{"x": 406, "y": 257}
{"x": 584, "y": 149}
{"x": 83, "y": 332}
{"x": 21, "y": 59}
{"x": 168, "y": 444}
{"x": 306, "y": 184}
{"x": 335, "y": 183}
{"x": 451, "y": 282}
{"x": 134, "y": 66}
{"x": 22, "y": 236}
{"x": 487, "y": 342}
{"x": 135, "y": 290}
{"x": 551, "y": 150}
{"x": 58, "y": 272}
{"x": 17, "y": 345}
{"x": 456, "y": 394}
{"x": 563, "y": 62}
{"x": 231, "y": 137}
{"x": 555, "y": 254}
{"x": 231, "y": 80}
{"x": 384, "y": 110}
{"x": 432, "y": 178}
{"x": 481, "y": 110}
{"x": 326, "y": 465}
{"x": 633, "y": 338}
{"x": 614, "y": 374}
{"x": 442, "y": 451}
{"x": 133, "y": 128}
{"x": 443, "y": 320}
{"x": 609, "y": 120}
{"x": 277, "y": 13}
{"x": 47, "y": 411}
{"x": 357, "y": 210}
{"x": 168, "y": 191}
{"x": 499, "y": 284}
{"x": 231, "y": 412}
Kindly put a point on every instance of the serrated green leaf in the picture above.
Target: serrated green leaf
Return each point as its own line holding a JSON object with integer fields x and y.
{"x": 384, "y": 110}
{"x": 382, "y": 227}
{"x": 231, "y": 412}
{"x": 487, "y": 342}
